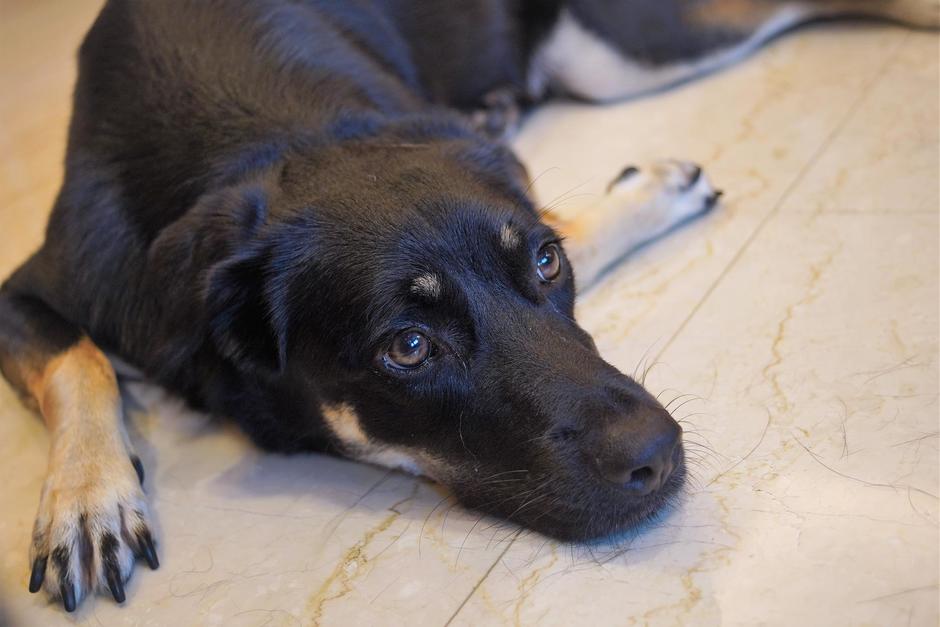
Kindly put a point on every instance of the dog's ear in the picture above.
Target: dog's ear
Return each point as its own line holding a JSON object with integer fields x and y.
{"x": 244, "y": 321}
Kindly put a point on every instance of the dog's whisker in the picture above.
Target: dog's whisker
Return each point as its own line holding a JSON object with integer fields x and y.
{"x": 663, "y": 391}
{"x": 685, "y": 402}
{"x": 642, "y": 358}
{"x": 696, "y": 437}
{"x": 427, "y": 518}
{"x": 703, "y": 452}
{"x": 503, "y": 481}
{"x": 447, "y": 512}
{"x": 693, "y": 438}
{"x": 532, "y": 182}
{"x": 685, "y": 396}
{"x": 684, "y": 420}
{"x": 519, "y": 495}
{"x": 564, "y": 196}
{"x": 506, "y": 472}
{"x": 647, "y": 371}
{"x": 467, "y": 537}
{"x": 701, "y": 456}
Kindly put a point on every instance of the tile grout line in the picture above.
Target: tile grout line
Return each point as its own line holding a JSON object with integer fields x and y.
{"x": 775, "y": 210}
{"x": 479, "y": 583}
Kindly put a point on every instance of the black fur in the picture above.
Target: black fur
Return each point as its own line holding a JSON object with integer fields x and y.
{"x": 251, "y": 189}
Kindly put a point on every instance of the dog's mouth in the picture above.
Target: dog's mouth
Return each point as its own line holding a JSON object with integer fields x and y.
{"x": 571, "y": 504}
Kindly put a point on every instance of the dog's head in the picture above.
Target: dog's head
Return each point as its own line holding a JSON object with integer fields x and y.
{"x": 417, "y": 291}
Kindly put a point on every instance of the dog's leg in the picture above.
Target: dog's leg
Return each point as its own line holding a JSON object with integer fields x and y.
{"x": 588, "y": 55}
{"x": 92, "y": 515}
{"x": 750, "y": 16}
{"x": 641, "y": 204}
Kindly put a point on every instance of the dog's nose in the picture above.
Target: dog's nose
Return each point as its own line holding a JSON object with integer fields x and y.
{"x": 638, "y": 450}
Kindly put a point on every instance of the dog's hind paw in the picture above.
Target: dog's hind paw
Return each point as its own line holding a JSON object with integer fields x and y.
{"x": 641, "y": 204}
{"x": 669, "y": 192}
{"x": 92, "y": 521}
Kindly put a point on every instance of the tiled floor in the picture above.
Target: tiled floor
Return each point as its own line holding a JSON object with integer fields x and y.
{"x": 801, "y": 319}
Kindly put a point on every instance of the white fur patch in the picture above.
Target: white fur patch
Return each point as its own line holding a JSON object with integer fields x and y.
{"x": 344, "y": 422}
{"x": 584, "y": 64}
{"x": 509, "y": 238}
{"x": 428, "y": 285}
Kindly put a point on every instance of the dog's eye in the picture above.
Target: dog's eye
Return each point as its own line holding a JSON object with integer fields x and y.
{"x": 409, "y": 350}
{"x": 548, "y": 262}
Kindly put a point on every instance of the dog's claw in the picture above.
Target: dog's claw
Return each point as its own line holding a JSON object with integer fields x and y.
{"x": 139, "y": 467}
{"x": 112, "y": 569}
{"x": 694, "y": 175}
{"x": 712, "y": 200}
{"x": 147, "y": 549}
{"x": 85, "y": 540}
{"x": 38, "y": 574}
{"x": 115, "y": 585}
{"x": 625, "y": 174}
{"x": 68, "y": 596}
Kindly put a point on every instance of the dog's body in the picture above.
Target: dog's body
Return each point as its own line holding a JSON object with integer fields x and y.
{"x": 293, "y": 214}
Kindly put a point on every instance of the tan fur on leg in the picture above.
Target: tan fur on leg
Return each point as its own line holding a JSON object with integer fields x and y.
{"x": 91, "y": 503}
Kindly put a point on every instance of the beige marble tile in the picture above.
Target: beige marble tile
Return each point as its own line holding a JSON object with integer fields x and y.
{"x": 756, "y": 129}
{"x": 818, "y": 358}
{"x": 38, "y": 42}
{"x": 891, "y": 139}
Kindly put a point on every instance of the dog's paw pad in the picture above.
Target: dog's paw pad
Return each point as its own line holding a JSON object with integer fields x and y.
{"x": 87, "y": 533}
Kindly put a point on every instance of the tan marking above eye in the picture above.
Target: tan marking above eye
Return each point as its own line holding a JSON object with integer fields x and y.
{"x": 427, "y": 285}
{"x": 509, "y": 238}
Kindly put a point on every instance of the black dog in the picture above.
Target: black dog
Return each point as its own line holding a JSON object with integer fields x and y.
{"x": 292, "y": 213}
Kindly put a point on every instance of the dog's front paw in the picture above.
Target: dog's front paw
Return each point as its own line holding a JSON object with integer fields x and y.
{"x": 92, "y": 521}
{"x": 672, "y": 189}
